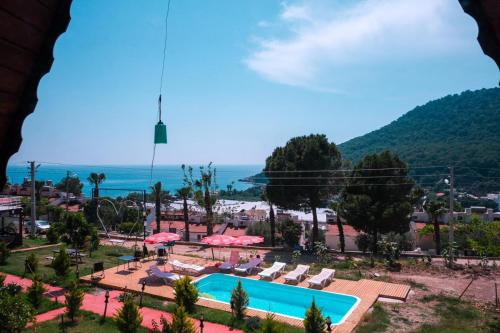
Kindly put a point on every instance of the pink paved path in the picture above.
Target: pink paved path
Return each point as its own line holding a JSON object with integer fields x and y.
{"x": 95, "y": 304}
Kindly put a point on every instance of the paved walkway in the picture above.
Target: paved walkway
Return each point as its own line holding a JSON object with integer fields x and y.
{"x": 95, "y": 304}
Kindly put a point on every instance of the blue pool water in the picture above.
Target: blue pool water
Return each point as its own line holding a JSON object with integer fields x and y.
{"x": 278, "y": 298}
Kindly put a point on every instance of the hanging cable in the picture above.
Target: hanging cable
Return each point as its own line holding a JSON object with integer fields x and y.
{"x": 161, "y": 87}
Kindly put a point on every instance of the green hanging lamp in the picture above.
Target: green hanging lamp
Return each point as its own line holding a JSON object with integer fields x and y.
{"x": 160, "y": 128}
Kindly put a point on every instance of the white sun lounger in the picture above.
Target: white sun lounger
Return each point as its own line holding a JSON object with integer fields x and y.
{"x": 325, "y": 276}
{"x": 181, "y": 266}
{"x": 273, "y": 271}
{"x": 297, "y": 274}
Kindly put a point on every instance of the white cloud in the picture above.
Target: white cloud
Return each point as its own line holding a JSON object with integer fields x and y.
{"x": 324, "y": 36}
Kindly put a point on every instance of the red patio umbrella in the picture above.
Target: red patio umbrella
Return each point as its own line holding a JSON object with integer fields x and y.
{"x": 218, "y": 240}
{"x": 162, "y": 237}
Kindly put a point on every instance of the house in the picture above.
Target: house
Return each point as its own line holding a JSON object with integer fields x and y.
{"x": 332, "y": 237}
{"x": 196, "y": 230}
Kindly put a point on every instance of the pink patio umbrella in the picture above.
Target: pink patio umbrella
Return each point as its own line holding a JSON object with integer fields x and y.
{"x": 248, "y": 240}
{"x": 218, "y": 240}
{"x": 162, "y": 237}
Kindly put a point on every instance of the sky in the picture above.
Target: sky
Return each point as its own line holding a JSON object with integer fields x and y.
{"x": 243, "y": 77}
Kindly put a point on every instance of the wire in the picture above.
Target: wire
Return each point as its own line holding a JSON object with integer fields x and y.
{"x": 164, "y": 47}
{"x": 161, "y": 87}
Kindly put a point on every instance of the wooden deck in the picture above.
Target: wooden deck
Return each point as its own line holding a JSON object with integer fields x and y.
{"x": 367, "y": 290}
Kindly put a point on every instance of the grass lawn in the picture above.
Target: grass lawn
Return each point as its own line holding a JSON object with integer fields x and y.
{"x": 460, "y": 316}
{"x": 46, "y": 305}
{"x": 211, "y": 315}
{"x": 32, "y": 242}
{"x": 106, "y": 254}
{"x": 375, "y": 322}
{"x": 87, "y": 322}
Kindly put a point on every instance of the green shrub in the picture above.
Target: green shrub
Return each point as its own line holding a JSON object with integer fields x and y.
{"x": 2, "y": 280}
{"x": 291, "y": 232}
{"x": 74, "y": 299}
{"x": 130, "y": 228}
{"x": 128, "y": 319}
{"x": 15, "y": 312}
{"x": 31, "y": 263}
{"x": 181, "y": 323}
{"x": 35, "y": 291}
{"x": 363, "y": 242}
{"x": 62, "y": 262}
{"x": 239, "y": 302}
{"x": 260, "y": 228}
{"x": 186, "y": 293}
{"x": 53, "y": 234}
{"x": 253, "y": 323}
{"x": 314, "y": 321}
{"x": 4, "y": 253}
{"x": 269, "y": 325}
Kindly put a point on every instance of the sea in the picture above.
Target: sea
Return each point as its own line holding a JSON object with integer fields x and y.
{"x": 124, "y": 179}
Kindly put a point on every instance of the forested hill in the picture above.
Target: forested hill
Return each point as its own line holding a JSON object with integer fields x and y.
{"x": 461, "y": 130}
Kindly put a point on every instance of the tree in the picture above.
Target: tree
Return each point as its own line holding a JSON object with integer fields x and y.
{"x": 184, "y": 193}
{"x": 35, "y": 291}
{"x": 15, "y": 312}
{"x": 239, "y": 302}
{"x": 290, "y": 231}
{"x": 302, "y": 174}
{"x": 75, "y": 229}
{"x": 96, "y": 180}
{"x": 203, "y": 190}
{"x": 272, "y": 219}
{"x": 157, "y": 193}
{"x": 4, "y": 253}
{"x": 71, "y": 185}
{"x": 73, "y": 299}
{"x": 61, "y": 262}
{"x": 39, "y": 184}
{"x": 337, "y": 207}
{"x": 314, "y": 321}
{"x": 435, "y": 209}
{"x": 128, "y": 319}
{"x": 377, "y": 197}
{"x": 181, "y": 323}
{"x": 269, "y": 325}
{"x": 186, "y": 293}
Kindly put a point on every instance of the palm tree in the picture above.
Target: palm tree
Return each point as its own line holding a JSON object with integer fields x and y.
{"x": 435, "y": 209}
{"x": 157, "y": 194}
{"x": 337, "y": 207}
{"x": 184, "y": 193}
{"x": 96, "y": 180}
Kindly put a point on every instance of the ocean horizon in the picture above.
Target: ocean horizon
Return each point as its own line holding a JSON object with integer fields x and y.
{"x": 123, "y": 179}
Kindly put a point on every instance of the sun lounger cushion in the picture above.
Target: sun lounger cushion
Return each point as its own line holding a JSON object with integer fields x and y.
{"x": 249, "y": 266}
{"x": 273, "y": 271}
{"x": 322, "y": 278}
{"x": 297, "y": 273}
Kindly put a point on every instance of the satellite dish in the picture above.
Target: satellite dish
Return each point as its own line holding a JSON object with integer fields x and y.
{"x": 446, "y": 181}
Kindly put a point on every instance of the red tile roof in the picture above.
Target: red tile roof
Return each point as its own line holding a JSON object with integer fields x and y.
{"x": 179, "y": 225}
{"x": 235, "y": 232}
{"x": 348, "y": 230}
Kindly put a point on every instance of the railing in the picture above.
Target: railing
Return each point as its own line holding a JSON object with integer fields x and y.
{"x": 10, "y": 202}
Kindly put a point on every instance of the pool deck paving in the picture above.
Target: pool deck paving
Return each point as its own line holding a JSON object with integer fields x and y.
{"x": 368, "y": 291}
{"x": 95, "y": 303}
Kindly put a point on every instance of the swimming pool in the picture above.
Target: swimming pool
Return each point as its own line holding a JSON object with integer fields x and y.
{"x": 285, "y": 300}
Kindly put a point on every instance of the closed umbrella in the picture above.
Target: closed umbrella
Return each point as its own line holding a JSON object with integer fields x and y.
{"x": 218, "y": 240}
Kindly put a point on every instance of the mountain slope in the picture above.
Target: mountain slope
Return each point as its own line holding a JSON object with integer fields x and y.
{"x": 461, "y": 130}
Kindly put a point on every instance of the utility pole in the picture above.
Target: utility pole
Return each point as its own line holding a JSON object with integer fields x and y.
{"x": 33, "y": 198}
{"x": 451, "y": 236}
